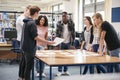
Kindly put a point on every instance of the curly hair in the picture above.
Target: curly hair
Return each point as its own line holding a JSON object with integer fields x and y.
{"x": 39, "y": 18}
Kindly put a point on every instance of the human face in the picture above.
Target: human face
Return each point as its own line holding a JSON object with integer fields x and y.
{"x": 86, "y": 22}
{"x": 42, "y": 21}
{"x": 64, "y": 18}
{"x": 96, "y": 21}
{"x": 27, "y": 12}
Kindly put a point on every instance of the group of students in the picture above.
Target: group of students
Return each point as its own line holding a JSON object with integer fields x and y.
{"x": 32, "y": 31}
{"x": 100, "y": 37}
{"x": 29, "y": 34}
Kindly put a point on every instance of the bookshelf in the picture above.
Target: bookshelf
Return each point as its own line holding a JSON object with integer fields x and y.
{"x": 8, "y": 20}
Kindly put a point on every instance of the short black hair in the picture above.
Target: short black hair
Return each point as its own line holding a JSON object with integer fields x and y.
{"x": 39, "y": 18}
{"x": 64, "y": 12}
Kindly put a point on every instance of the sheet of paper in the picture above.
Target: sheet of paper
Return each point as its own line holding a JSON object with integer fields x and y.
{"x": 57, "y": 41}
{"x": 95, "y": 54}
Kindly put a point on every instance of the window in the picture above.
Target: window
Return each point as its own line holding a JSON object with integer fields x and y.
{"x": 89, "y": 14}
{"x": 61, "y": 8}
{"x": 54, "y": 17}
{"x": 89, "y": 2}
{"x": 100, "y": 0}
{"x": 90, "y": 7}
{"x": 57, "y": 8}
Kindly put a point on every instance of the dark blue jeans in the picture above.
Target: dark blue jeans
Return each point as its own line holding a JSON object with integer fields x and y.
{"x": 90, "y": 67}
{"x": 110, "y": 67}
{"x": 38, "y": 66}
{"x": 100, "y": 68}
{"x": 63, "y": 47}
{"x": 37, "y": 61}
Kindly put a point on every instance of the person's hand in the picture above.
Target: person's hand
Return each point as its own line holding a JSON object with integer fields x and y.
{"x": 101, "y": 53}
{"x": 46, "y": 48}
{"x": 72, "y": 47}
{"x": 90, "y": 49}
{"x": 51, "y": 42}
{"x": 81, "y": 48}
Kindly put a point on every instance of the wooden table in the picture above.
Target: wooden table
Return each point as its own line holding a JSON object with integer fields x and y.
{"x": 72, "y": 58}
{"x": 5, "y": 45}
{"x": 5, "y": 51}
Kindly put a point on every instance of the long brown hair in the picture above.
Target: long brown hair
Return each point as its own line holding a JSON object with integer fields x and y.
{"x": 98, "y": 16}
{"x": 89, "y": 19}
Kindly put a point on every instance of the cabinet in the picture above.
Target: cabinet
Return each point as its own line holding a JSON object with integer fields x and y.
{"x": 7, "y": 26}
{"x": 8, "y": 20}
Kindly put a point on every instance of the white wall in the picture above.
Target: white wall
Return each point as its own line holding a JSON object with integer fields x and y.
{"x": 107, "y": 8}
{"x": 116, "y": 3}
{"x": 71, "y": 6}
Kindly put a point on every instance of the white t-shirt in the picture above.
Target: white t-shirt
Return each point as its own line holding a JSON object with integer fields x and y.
{"x": 66, "y": 34}
{"x": 96, "y": 39}
{"x": 19, "y": 26}
{"x": 87, "y": 38}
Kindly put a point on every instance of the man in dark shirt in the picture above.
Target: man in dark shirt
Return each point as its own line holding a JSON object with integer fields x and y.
{"x": 109, "y": 35}
{"x": 28, "y": 43}
{"x": 65, "y": 29}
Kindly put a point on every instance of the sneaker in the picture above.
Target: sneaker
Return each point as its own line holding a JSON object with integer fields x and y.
{"x": 59, "y": 74}
{"x": 66, "y": 73}
{"x": 43, "y": 75}
{"x": 37, "y": 74}
{"x": 19, "y": 78}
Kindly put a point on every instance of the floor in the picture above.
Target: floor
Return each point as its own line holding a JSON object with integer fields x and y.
{"x": 10, "y": 71}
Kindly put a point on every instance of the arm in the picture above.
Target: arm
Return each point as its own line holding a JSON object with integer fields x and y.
{"x": 46, "y": 36}
{"x": 103, "y": 33}
{"x": 73, "y": 34}
{"x": 83, "y": 42}
{"x": 43, "y": 40}
{"x": 72, "y": 39}
{"x": 33, "y": 33}
{"x": 105, "y": 48}
{"x": 91, "y": 40}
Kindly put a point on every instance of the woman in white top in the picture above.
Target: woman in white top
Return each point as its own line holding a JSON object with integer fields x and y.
{"x": 88, "y": 33}
{"x": 87, "y": 40}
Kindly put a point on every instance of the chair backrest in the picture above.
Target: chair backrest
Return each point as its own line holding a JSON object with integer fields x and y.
{"x": 15, "y": 44}
{"x": 119, "y": 35}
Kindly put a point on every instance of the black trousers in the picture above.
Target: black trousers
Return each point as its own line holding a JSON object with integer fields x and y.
{"x": 26, "y": 65}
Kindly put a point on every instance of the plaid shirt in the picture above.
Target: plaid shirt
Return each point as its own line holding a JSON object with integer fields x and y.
{"x": 71, "y": 29}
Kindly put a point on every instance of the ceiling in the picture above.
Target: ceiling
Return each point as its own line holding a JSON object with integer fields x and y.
{"x": 25, "y": 2}
{"x": 15, "y": 4}
{"x": 28, "y": 1}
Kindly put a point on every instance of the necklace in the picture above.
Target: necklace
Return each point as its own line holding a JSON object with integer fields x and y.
{"x": 88, "y": 28}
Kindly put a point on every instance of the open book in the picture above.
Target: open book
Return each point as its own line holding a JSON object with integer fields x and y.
{"x": 57, "y": 41}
